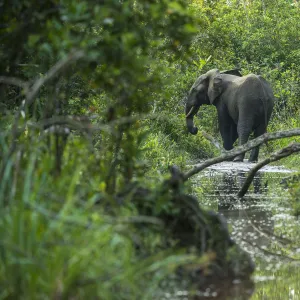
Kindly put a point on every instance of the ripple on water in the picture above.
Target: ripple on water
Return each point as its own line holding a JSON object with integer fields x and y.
{"x": 261, "y": 223}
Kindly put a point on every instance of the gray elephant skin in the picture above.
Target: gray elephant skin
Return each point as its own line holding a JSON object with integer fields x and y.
{"x": 244, "y": 105}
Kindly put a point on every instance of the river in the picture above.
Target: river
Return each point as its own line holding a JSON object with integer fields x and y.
{"x": 262, "y": 224}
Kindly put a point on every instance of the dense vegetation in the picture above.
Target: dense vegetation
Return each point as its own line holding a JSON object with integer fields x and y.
{"x": 92, "y": 113}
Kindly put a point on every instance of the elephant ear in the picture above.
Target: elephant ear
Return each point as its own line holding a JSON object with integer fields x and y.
{"x": 198, "y": 82}
{"x": 215, "y": 87}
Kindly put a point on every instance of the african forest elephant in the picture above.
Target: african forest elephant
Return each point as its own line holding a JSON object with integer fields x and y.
{"x": 244, "y": 104}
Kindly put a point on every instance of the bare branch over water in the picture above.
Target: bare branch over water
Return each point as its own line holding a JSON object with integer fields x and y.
{"x": 284, "y": 152}
{"x": 241, "y": 149}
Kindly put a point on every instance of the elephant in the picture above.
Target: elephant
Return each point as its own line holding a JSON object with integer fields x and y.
{"x": 244, "y": 105}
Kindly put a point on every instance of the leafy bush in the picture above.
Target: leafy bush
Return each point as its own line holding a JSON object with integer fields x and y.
{"x": 65, "y": 237}
{"x": 92, "y": 99}
{"x": 294, "y": 190}
{"x": 172, "y": 144}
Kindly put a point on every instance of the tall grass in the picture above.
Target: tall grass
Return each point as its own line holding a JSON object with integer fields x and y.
{"x": 56, "y": 242}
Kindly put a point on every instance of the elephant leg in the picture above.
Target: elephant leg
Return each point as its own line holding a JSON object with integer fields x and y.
{"x": 228, "y": 129}
{"x": 234, "y": 133}
{"x": 260, "y": 130}
{"x": 254, "y": 154}
{"x": 244, "y": 130}
{"x": 229, "y": 136}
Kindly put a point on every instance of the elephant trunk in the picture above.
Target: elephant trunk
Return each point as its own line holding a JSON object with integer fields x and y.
{"x": 189, "y": 119}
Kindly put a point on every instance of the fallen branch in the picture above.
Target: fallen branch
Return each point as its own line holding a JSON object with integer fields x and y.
{"x": 287, "y": 151}
{"x": 241, "y": 149}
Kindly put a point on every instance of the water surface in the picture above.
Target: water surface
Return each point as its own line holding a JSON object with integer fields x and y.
{"x": 261, "y": 223}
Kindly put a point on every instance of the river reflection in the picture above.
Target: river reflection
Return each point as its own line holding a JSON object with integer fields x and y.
{"x": 225, "y": 290}
{"x": 253, "y": 222}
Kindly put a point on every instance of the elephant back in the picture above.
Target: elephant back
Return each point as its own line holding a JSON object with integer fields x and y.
{"x": 259, "y": 92}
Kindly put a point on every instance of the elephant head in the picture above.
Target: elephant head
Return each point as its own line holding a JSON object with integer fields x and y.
{"x": 205, "y": 90}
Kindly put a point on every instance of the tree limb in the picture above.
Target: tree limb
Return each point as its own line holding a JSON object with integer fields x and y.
{"x": 84, "y": 122}
{"x": 241, "y": 149}
{"x": 30, "y": 95}
{"x": 33, "y": 90}
{"x": 14, "y": 81}
{"x": 287, "y": 151}
{"x": 60, "y": 65}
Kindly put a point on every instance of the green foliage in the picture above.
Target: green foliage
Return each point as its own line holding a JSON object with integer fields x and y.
{"x": 67, "y": 221}
{"x": 116, "y": 76}
{"x": 294, "y": 189}
{"x": 173, "y": 132}
{"x": 161, "y": 152}
{"x": 58, "y": 240}
{"x": 295, "y": 193}
{"x": 271, "y": 284}
{"x": 62, "y": 228}
{"x": 259, "y": 37}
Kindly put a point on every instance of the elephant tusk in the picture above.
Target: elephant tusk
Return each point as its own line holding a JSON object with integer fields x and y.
{"x": 191, "y": 111}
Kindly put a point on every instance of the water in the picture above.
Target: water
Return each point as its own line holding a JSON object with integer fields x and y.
{"x": 262, "y": 224}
